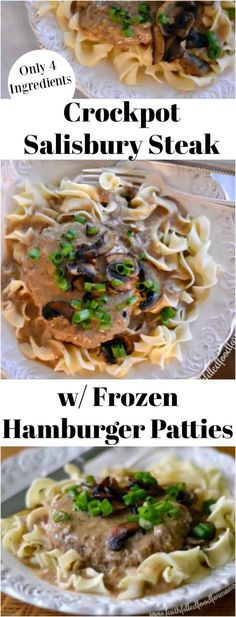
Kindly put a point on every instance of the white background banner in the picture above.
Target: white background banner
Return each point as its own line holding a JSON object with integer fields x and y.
{"x": 171, "y": 412}
{"x": 31, "y": 128}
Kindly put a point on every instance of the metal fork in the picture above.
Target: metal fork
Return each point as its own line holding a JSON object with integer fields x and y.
{"x": 137, "y": 178}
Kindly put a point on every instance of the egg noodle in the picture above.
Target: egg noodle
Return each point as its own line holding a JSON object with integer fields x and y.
{"x": 176, "y": 249}
{"x": 24, "y": 535}
{"x": 133, "y": 60}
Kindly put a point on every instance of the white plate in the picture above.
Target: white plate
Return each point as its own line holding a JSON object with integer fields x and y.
{"x": 215, "y": 322}
{"x": 21, "y": 583}
{"x": 102, "y": 80}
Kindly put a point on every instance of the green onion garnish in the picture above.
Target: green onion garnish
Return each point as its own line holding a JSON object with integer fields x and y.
{"x": 60, "y": 516}
{"x": 34, "y": 253}
{"x": 95, "y": 287}
{"x": 74, "y": 490}
{"x": 90, "y": 480}
{"x": 94, "y": 507}
{"x": 80, "y": 316}
{"x": 118, "y": 351}
{"x": 116, "y": 282}
{"x": 130, "y": 233}
{"x": 132, "y": 300}
{"x": 162, "y": 19}
{"x": 76, "y": 304}
{"x": 80, "y": 219}
{"x": 70, "y": 234}
{"x": 134, "y": 496}
{"x": 174, "y": 489}
{"x": 214, "y": 48}
{"x": 91, "y": 231}
{"x": 67, "y": 249}
{"x": 206, "y": 506}
{"x": 81, "y": 502}
{"x": 133, "y": 518}
{"x": 203, "y": 531}
{"x": 106, "y": 507}
{"x": 62, "y": 283}
{"x": 167, "y": 313}
{"x": 142, "y": 256}
{"x": 231, "y": 12}
{"x": 145, "y": 476}
{"x": 56, "y": 258}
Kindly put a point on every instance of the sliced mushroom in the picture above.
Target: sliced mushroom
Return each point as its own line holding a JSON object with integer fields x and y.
{"x": 175, "y": 18}
{"x": 87, "y": 270}
{"x": 173, "y": 49}
{"x": 158, "y": 44}
{"x": 118, "y": 340}
{"x": 192, "y": 65}
{"x": 115, "y": 261}
{"x": 120, "y": 534}
{"x": 148, "y": 272}
{"x": 196, "y": 40}
{"x": 103, "y": 244}
{"x": 57, "y": 308}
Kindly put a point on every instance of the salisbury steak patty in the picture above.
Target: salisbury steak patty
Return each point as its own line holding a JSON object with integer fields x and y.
{"x": 96, "y": 21}
{"x": 89, "y": 535}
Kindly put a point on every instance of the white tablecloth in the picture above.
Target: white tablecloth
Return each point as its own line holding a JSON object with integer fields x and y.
{"x": 17, "y": 38}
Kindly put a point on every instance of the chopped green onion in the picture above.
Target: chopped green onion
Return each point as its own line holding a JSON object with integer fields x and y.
{"x": 173, "y": 513}
{"x": 167, "y": 313}
{"x": 231, "y": 12}
{"x": 116, "y": 283}
{"x": 80, "y": 316}
{"x": 142, "y": 256}
{"x": 203, "y": 531}
{"x": 94, "y": 507}
{"x": 81, "y": 502}
{"x": 74, "y": 490}
{"x": 134, "y": 496}
{"x": 67, "y": 249}
{"x": 60, "y": 516}
{"x": 175, "y": 489}
{"x": 145, "y": 476}
{"x": 132, "y": 300}
{"x": 106, "y": 507}
{"x": 118, "y": 351}
{"x": 133, "y": 518}
{"x": 120, "y": 269}
{"x": 56, "y": 258}
{"x": 34, "y": 253}
{"x": 62, "y": 283}
{"x": 91, "y": 231}
{"x": 95, "y": 287}
{"x": 90, "y": 480}
{"x": 130, "y": 233}
{"x": 70, "y": 234}
{"x": 128, "y": 32}
{"x": 104, "y": 299}
{"x": 206, "y": 506}
{"x": 77, "y": 304}
{"x": 145, "y": 524}
{"x": 80, "y": 219}
{"x": 148, "y": 285}
{"x": 162, "y": 19}
{"x": 214, "y": 49}
{"x": 86, "y": 324}
{"x": 119, "y": 306}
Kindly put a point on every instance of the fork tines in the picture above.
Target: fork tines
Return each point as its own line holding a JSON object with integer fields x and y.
{"x": 93, "y": 174}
